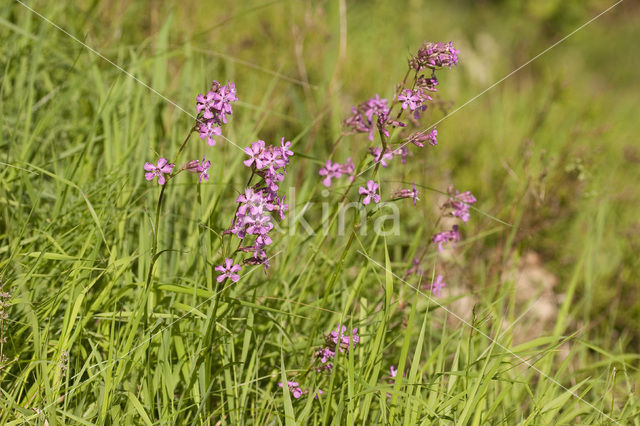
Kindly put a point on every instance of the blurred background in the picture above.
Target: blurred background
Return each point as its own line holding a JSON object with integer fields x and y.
{"x": 553, "y": 149}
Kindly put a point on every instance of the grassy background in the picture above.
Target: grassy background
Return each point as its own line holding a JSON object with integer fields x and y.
{"x": 553, "y": 152}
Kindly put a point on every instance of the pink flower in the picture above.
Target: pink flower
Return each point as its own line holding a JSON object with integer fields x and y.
{"x": 229, "y": 270}
{"x": 294, "y": 388}
{"x": 437, "y": 286}
{"x": 418, "y": 139}
{"x": 255, "y": 153}
{"x": 407, "y": 193}
{"x": 195, "y": 166}
{"x": 370, "y": 193}
{"x": 330, "y": 170}
{"x": 381, "y": 157}
{"x": 163, "y": 167}
{"x": 460, "y": 203}
{"x": 410, "y": 99}
{"x": 447, "y": 236}
{"x": 208, "y": 130}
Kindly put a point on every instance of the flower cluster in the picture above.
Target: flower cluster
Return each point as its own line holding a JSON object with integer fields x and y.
{"x": 383, "y": 157}
{"x": 434, "y": 55}
{"x": 415, "y": 100}
{"x": 337, "y": 339}
{"x": 213, "y": 108}
{"x": 377, "y": 114}
{"x": 362, "y": 119}
{"x": 460, "y": 203}
{"x": 336, "y": 170}
{"x": 419, "y": 138}
{"x": 437, "y": 286}
{"x": 445, "y": 237}
{"x": 296, "y": 390}
{"x": 258, "y": 202}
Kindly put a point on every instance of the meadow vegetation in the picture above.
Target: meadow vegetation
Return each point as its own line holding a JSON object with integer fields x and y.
{"x": 539, "y": 321}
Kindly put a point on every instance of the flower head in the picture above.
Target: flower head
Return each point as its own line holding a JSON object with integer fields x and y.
{"x": 338, "y": 339}
{"x": 407, "y": 193}
{"x": 410, "y": 99}
{"x": 460, "y": 203}
{"x": 229, "y": 270}
{"x": 381, "y": 157}
{"x": 418, "y": 139}
{"x": 365, "y": 116}
{"x": 393, "y": 372}
{"x": 203, "y": 169}
{"x": 434, "y": 55}
{"x": 370, "y": 192}
{"x": 163, "y": 167}
{"x": 294, "y": 388}
{"x": 330, "y": 171}
{"x": 451, "y": 236}
{"x": 437, "y": 286}
{"x": 213, "y": 108}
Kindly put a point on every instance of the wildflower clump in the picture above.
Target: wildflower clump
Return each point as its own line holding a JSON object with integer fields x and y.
{"x": 260, "y": 204}
{"x": 213, "y": 108}
{"x": 338, "y": 339}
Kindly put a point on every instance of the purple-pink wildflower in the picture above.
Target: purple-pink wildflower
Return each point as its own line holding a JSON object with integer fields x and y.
{"x": 163, "y": 167}
{"x": 407, "y": 193}
{"x": 338, "y": 339}
{"x": 365, "y": 116}
{"x": 444, "y": 237}
{"x": 336, "y": 170}
{"x": 202, "y": 168}
{"x": 427, "y": 83}
{"x": 213, "y": 108}
{"x": 437, "y": 286}
{"x": 410, "y": 99}
{"x": 207, "y": 132}
{"x": 460, "y": 203}
{"x": 216, "y": 103}
{"x": 418, "y": 139}
{"x": 259, "y": 202}
{"x": 382, "y": 157}
{"x": 434, "y": 55}
{"x": 393, "y": 371}
{"x": 370, "y": 192}
{"x": 229, "y": 270}
{"x": 341, "y": 338}
{"x": 294, "y": 388}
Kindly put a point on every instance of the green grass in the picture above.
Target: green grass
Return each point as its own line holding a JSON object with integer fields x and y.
{"x": 551, "y": 155}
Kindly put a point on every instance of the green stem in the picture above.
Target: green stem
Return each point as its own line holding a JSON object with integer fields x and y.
{"x": 154, "y": 257}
